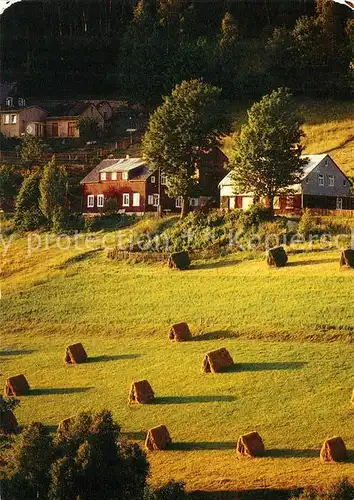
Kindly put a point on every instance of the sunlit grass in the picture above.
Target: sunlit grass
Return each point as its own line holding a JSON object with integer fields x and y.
{"x": 295, "y": 393}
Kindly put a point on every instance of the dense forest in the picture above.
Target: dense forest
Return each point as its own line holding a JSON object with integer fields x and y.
{"x": 140, "y": 50}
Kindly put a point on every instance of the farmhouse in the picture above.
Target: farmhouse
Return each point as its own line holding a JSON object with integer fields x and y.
{"x": 62, "y": 119}
{"x": 134, "y": 188}
{"x": 322, "y": 186}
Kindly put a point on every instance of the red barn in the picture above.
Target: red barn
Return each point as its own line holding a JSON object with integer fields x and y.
{"x": 135, "y": 188}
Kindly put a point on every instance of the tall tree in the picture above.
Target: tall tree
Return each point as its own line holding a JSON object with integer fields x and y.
{"x": 10, "y": 181}
{"x": 31, "y": 149}
{"x": 27, "y": 213}
{"x": 187, "y": 123}
{"x": 52, "y": 188}
{"x": 268, "y": 151}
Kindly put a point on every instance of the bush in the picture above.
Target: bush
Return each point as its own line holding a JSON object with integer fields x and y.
{"x": 307, "y": 224}
{"x": 342, "y": 490}
{"x": 172, "y": 490}
{"x": 27, "y": 213}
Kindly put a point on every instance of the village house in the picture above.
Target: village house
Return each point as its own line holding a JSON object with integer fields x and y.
{"x": 136, "y": 188}
{"x": 323, "y": 186}
{"x": 16, "y": 116}
{"x": 63, "y": 118}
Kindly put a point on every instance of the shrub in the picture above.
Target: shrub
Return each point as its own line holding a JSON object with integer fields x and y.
{"x": 172, "y": 490}
{"x": 307, "y": 224}
{"x": 27, "y": 213}
{"x": 10, "y": 181}
{"x": 342, "y": 490}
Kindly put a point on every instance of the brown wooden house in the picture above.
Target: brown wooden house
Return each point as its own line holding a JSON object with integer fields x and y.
{"x": 138, "y": 189}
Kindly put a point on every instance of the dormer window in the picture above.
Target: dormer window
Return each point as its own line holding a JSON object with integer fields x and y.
{"x": 21, "y": 102}
{"x": 114, "y": 176}
{"x": 103, "y": 176}
{"x": 125, "y": 176}
{"x": 321, "y": 180}
{"x": 9, "y": 101}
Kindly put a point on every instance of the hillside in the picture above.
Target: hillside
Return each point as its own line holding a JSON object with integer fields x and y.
{"x": 328, "y": 127}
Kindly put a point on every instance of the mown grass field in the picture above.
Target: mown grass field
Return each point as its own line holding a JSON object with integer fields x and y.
{"x": 328, "y": 127}
{"x": 289, "y": 331}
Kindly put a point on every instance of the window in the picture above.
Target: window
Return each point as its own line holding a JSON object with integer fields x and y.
{"x": 13, "y": 118}
{"x": 103, "y": 176}
{"x": 55, "y": 130}
{"x": 153, "y": 179}
{"x": 156, "y": 200}
{"x": 150, "y": 199}
{"x": 179, "y": 202}
{"x": 331, "y": 180}
{"x": 344, "y": 182}
{"x": 21, "y": 102}
{"x": 100, "y": 201}
{"x": 6, "y": 118}
{"x": 71, "y": 129}
{"x": 326, "y": 163}
{"x": 136, "y": 199}
{"x": 90, "y": 201}
{"x": 126, "y": 200}
{"x": 339, "y": 204}
{"x": 193, "y": 202}
{"x": 114, "y": 176}
{"x": 163, "y": 179}
{"x": 321, "y": 180}
{"x": 125, "y": 176}
{"x": 9, "y": 101}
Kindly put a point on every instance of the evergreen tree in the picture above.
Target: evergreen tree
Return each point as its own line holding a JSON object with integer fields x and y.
{"x": 10, "y": 181}
{"x": 27, "y": 213}
{"x": 32, "y": 149}
{"x": 267, "y": 153}
{"x": 186, "y": 124}
{"x": 53, "y": 192}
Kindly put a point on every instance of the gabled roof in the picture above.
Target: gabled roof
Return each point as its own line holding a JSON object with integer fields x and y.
{"x": 313, "y": 161}
{"x": 69, "y": 109}
{"x": 119, "y": 165}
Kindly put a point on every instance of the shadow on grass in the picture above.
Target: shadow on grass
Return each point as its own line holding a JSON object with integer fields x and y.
{"x": 106, "y": 357}
{"x": 312, "y": 262}
{"x": 262, "y": 367}
{"x": 134, "y": 436}
{"x": 16, "y": 352}
{"x": 181, "y": 400}
{"x": 58, "y": 390}
{"x": 222, "y": 334}
{"x": 287, "y": 453}
{"x": 203, "y": 445}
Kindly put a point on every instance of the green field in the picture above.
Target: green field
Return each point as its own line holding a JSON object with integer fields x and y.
{"x": 289, "y": 331}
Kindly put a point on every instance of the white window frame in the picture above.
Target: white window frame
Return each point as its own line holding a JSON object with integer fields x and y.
{"x": 163, "y": 180}
{"x": 6, "y": 119}
{"x": 103, "y": 176}
{"x": 150, "y": 199}
{"x": 321, "y": 180}
{"x": 156, "y": 200}
{"x": 21, "y": 102}
{"x": 136, "y": 199}
{"x": 13, "y": 119}
{"x": 339, "y": 204}
{"x": 193, "y": 202}
{"x": 125, "y": 176}
{"x": 114, "y": 176}
{"x": 100, "y": 201}
{"x": 179, "y": 201}
{"x": 331, "y": 180}
{"x": 9, "y": 101}
{"x": 153, "y": 179}
{"x": 90, "y": 201}
{"x": 126, "y": 200}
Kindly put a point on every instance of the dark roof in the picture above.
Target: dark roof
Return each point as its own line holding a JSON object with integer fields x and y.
{"x": 142, "y": 172}
{"x": 69, "y": 109}
{"x": 5, "y": 90}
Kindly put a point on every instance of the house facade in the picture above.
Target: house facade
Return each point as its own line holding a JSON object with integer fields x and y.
{"x": 138, "y": 189}
{"x": 322, "y": 186}
{"x": 18, "y": 118}
{"x": 62, "y": 120}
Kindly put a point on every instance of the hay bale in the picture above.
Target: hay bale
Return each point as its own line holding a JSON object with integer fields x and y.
{"x": 64, "y": 425}
{"x": 333, "y": 450}
{"x": 250, "y": 445}
{"x": 158, "y": 438}
{"x": 75, "y": 354}
{"x": 141, "y": 392}
{"x": 8, "y": 422}
{"x": 277, "y": 257}
{"x": 16, "y": 386}
{"x": 347, "y": 258}
{"x": 217, "y": 361}
{"x": 179, "y": 260}
{"x": 180, "y": 332}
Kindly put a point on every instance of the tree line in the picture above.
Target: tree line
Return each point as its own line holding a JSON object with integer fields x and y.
{"x": 141, "y": 50}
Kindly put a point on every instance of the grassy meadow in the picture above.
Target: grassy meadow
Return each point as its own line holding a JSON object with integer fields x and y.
{"x": 289, "y": 331}
{"x": 328, "y": 127}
